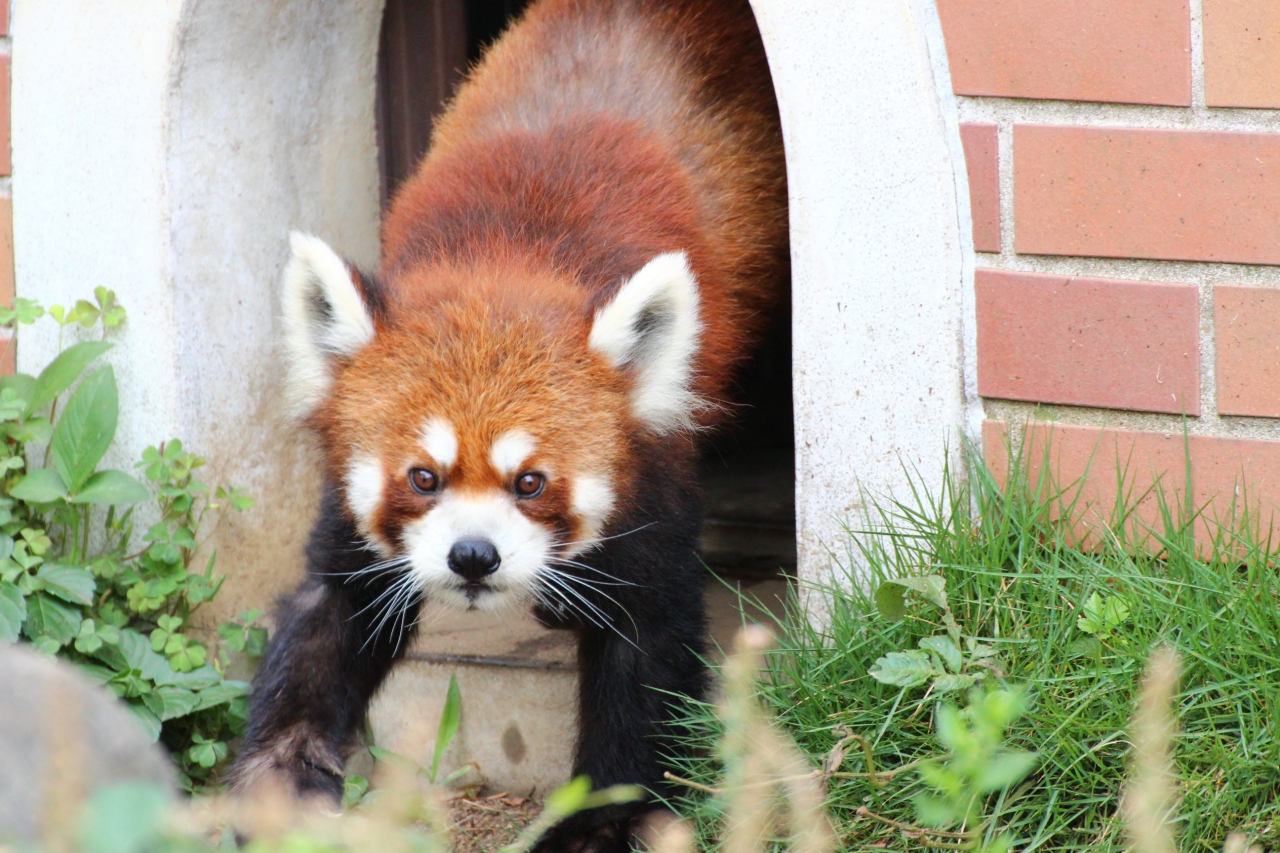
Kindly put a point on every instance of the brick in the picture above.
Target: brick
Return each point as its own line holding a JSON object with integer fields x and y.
{"x": 1136, "y": 193}
{"x": 4, "y": 17}
{"x": 1247, "y": 338}
{"x": 6, "y": 249}
{"x": 1242, "y": 53}
{"x": 1123, "y": 51}
{"x": 8, "y": 353}
{"x": 995, "y": 449}
{"x": 982, "y": 159}
{"x": 1088, "y": 341}
{"x": 1091, "y": 465}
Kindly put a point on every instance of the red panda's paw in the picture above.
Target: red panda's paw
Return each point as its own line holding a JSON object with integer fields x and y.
{"x": 292, "y": 763}
{"x": 607, "y": 830}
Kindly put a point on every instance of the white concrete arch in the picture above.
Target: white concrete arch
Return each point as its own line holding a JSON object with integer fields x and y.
{"x": 881, "y": 255}
{"x": 165, "y": 148}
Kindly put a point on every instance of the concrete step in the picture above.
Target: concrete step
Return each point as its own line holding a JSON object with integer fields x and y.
{"x": 518, "y": 686}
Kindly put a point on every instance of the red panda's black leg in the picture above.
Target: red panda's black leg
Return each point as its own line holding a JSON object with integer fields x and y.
{"x": 630, "y": 676}
{"x": 327, "y": 657}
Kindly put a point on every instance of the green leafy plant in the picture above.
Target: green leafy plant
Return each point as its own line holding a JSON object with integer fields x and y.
{"x": 946, "y": 662}
{"x": 356, "y": 790}
{"x": 1102, "y": 616}
{"x": 979, "y": 764}
{"x": 74, "y": 583}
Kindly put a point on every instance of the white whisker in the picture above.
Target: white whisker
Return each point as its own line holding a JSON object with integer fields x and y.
{"x": 561, "y": 581}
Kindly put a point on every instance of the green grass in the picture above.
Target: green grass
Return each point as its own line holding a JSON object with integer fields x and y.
{"x": 1016, "y": 580}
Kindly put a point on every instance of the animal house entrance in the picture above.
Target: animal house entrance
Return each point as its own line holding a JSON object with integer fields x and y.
{"x": 748, "y": 471}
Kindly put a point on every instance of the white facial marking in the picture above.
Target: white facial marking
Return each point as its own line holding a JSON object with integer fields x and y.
{"x": 592, "y": 500}
{"x": 523, "y": 548}
{"x": 439, "y": 440}
{"x": 365, "y": 482}
{"x": 510, "y": 450}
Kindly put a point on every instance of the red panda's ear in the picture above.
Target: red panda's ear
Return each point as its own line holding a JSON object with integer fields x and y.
{"x": 325, "y": 318}
{"x": 650, "y": 328}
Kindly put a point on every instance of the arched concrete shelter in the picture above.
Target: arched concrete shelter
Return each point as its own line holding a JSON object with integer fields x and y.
{"x": 192, "y": 135}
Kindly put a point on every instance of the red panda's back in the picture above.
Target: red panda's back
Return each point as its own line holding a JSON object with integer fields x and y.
{"x": 625, "y": 117}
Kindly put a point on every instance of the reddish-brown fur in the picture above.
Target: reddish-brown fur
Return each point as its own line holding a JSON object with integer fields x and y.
{"x": 565, "y": 163}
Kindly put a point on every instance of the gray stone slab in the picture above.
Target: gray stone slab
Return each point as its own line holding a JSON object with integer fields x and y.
{"x": 61, "y": 738}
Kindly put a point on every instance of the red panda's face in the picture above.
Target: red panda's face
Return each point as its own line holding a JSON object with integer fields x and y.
{"x": 482, "y": 449}
{"x": 480, "y": 434}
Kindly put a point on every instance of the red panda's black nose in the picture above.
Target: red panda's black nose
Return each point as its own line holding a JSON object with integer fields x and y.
{"x": 474, "y": 558}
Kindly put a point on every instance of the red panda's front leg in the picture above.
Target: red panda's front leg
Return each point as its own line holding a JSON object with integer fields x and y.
{"x": 635, "y": 670}
{"x": 327, "y": 658}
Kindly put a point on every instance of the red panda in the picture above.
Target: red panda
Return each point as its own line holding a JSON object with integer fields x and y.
{"x": 509, "y": 409}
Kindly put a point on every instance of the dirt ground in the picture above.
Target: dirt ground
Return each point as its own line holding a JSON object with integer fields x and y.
{"x": 486, "y": 824}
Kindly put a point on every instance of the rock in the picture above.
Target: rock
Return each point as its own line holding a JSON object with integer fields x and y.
{"x": 61, "y": 738}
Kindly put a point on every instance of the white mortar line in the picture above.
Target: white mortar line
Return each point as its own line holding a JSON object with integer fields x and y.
{"x": 1197, "y": 57}
{"x": 1087, "y": 114}
{"x": 1004, "y": 165}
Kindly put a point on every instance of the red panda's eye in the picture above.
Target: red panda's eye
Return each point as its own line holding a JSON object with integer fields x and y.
{"x": 530, "y": 484}
{"x": 424, "y": 482}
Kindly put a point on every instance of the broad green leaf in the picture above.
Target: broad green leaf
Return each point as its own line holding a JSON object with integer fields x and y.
{"x": 933, "y": 588}
{"x": 891, "y": 600}
{"x": 48, "y": 617}
{"x": 137, "y": 653}
{"x": 86, "y": 427}
{"x": 220, "y": 694}
{"x": 40, "y": 486}
{"x": 150, "y": 722}
{"x": 448, "y": 727}
{"x": 1092, "y": 621}
{"x": 169, "y": 702}
{"x": 200, "y": 678}
{"x": 110, "y": 487}
{"x": 96, "y": 674}
{"x": 945, "y": 649}
{"x": 904, "y": 669}
{"x": 1116, "y": 611}
{"x": 29, "y": 431}
{"x": 20, "y": 384}
{"x": 13, "y": 610}
{"x": 70, "y": 583}
{"x": 1005, "y": 769}
{"x": 1084, "y": 647}
{"x": 951, "y": 682}
{"x": 61, "y": 372}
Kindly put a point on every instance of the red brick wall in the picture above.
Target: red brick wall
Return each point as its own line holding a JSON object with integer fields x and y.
{"x": 1124, "y": 167}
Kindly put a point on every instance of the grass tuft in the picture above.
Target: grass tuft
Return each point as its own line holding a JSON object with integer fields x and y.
{"x": 1017, "y": 579}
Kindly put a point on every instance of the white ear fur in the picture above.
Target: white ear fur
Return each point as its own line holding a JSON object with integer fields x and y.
{"x": 324, "y": 318}
{"x": 651, "y": 327}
